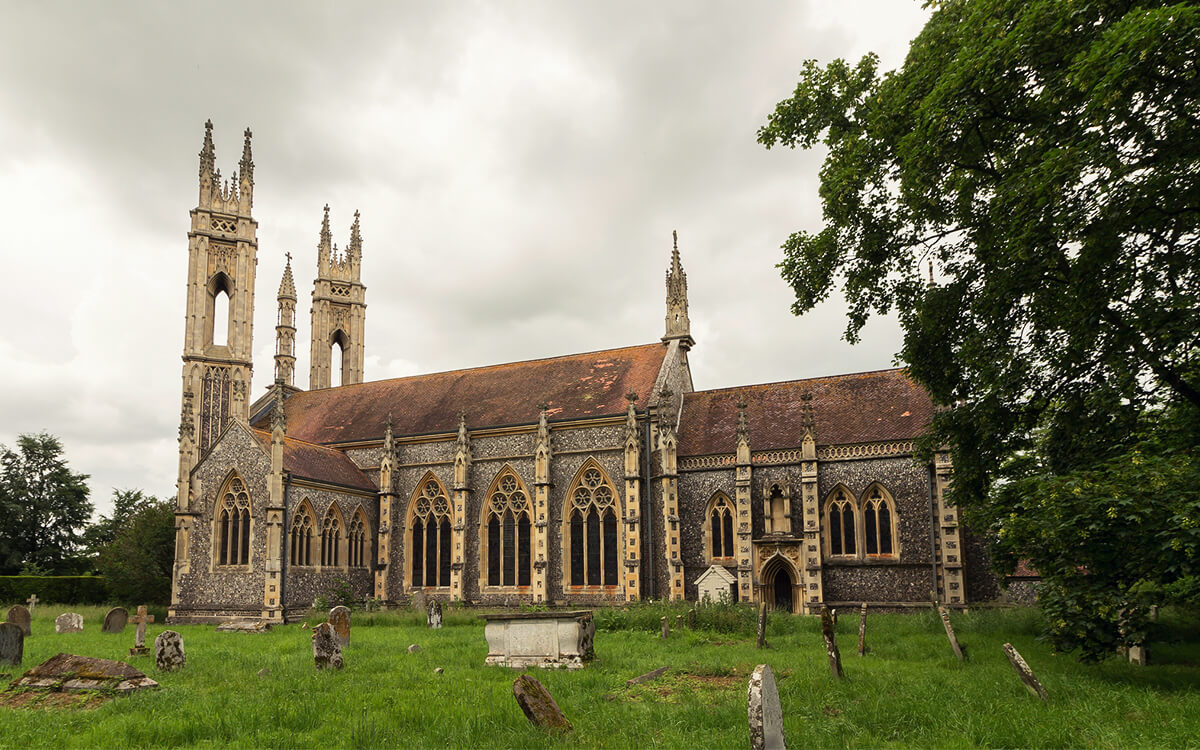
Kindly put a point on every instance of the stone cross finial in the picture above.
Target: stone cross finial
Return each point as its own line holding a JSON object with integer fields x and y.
{"x": 32, "y": 601}
{"x": 631, "y": 397}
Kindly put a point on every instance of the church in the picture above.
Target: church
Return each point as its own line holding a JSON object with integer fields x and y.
{"x": 585, "y": 479}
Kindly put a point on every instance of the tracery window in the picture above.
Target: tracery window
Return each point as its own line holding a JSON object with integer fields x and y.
{"x": 356, "y": 540}
{"x": 840, "y": 535}
{"x": 300, "y": 536}
{"x": 430, "y": 534}
{"x": 720, "y": 527}
{"x": 233, "y": 525}
{"x": 331, "y": 537}
{"x": 878, "y": 529}
{"x": 591, "y": 540}
{"x": 508, "y": 532}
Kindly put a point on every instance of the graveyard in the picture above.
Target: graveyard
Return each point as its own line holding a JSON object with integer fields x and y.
{"x": 909, "y": 689}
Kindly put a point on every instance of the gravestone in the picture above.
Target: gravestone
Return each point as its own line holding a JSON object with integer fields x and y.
{"x": 12, "y": 644}
{"x": 68, "y": 672}
{"x": 679, "y": 622}
{"x": 339, "y": 618}
{"x": 244, "y": 626}
{"x": 950, "y": 633}
{"x": 831, "y": 647}
{"x": 114, "y": 621}
{"x": 862, "y": 630}
{"x": 32, "y": 601}
{"x": 68, "y": 622}
{"x": 1024, "y": 672}
{"x": 646, "y": 677}
{"x": 418, "y": 601}
{"x": 326, "y": 651}
{"x": 765, "y": 713}
{"x": 1139, "y": 654}
{"x": 761, "y": 640}
{"x": 434, "y": 615}
{"x": 691, "y": 619}
{"x": 19, "y": 616}
{"x": 139, "y": 638}
{"x": 413, "y": 648}
{"x": 539, "y": 705}
{"x": 168, "y": 651}
{"x": 666, "y": 628}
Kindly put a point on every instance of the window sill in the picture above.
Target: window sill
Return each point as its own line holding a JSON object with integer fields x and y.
{"x": 874, "y": 560}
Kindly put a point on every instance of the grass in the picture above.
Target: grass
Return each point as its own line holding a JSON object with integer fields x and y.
{"x": 908, "y": 691}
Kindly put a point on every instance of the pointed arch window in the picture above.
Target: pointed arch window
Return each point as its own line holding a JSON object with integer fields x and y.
{"x": 233, "y": 524}
{"x": 840, "y": 538}
{"x": 331, "y": 538}
{"x": 591, "y": 540}
{"x": 879, "y": 528}
{"x": 356, "y": 540}
{"x": 719, "y": 528}
{"x": 430, "y": 536}
{"x": 300, "y": 537}
{"x": 507, "y": 532}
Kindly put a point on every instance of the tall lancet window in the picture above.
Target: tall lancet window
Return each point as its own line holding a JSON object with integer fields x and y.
{"x": 430, "y": 537}
{"x": 233, "y": 524}
{"x": 591, "y": 541}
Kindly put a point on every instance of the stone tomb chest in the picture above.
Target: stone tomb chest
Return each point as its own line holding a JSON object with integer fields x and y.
{"x": 540, "y": 639}
{"x": 716, "y": 584}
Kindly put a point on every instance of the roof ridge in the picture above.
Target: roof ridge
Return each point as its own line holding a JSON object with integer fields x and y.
{"x": 797, "y": 380}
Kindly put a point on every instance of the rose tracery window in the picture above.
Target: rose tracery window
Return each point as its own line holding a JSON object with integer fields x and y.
{"x": 233, "y": 525}
{"x": 508, "y": 532}
{"x": 592, "y": 526}
{"x": 431, "y": 537}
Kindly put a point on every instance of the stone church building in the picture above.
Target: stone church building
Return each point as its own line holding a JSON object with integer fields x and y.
{"x": 591, "y": 478}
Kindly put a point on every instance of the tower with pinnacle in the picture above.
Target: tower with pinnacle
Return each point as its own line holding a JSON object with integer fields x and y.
{"x": 678, "y": 327}
{"x": 339, "y": 309}
{"x": 285, "y": 328}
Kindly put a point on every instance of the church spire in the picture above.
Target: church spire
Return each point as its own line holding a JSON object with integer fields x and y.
{"x": 325, "y": 244}
{"x": 285, "y": 328}
{"x": 208, "y": 157}
{"x": 678, "y": 326}
{"x": 246, "y": 169}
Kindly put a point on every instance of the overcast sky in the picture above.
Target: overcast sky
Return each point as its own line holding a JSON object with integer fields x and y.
{"x": 519, "y": 168}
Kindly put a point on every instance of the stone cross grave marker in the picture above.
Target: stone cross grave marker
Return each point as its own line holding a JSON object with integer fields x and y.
{"x": 68, "y": 622}
{"x": 831, "y": 647}
{"x": 539, "y": 706}
{"x": 765, "y": 713}
{"x": 19, "y": 616}
{"x": 433, "y": 617}
{"x": 139, "y": 638}
{"x": 950, "y": 633}
{"x": 12, "y": 644}
{"x": 1024, "y": 672}
{"x": 339, "y": 619}
{"x": 326, "y": 651}
{"x": 666, "y": 628}
{"x": 761, "y": 641}
{"x": 114, "y": 621}
{"x": 32, "y": 601}
{"x": 168, "y": 651}
{"x": 862, "y": 630}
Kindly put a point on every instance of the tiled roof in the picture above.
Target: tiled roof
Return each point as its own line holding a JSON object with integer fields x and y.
{"x": 859, "y": 408}
{"x": 575, "y": 386}
{"x": 316, "y": 462}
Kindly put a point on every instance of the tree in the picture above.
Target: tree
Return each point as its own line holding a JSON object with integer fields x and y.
{"x": 45, "y": 507}
{"x": 136, "y": 563}
{"x": 1044, "y": 156}
{"x": 104, "y": 530}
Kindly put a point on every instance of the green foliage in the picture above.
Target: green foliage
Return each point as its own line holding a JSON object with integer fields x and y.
{"x": 1044, "y": 154}
{"x": 44, "y": 506}
{"x": 56, "y": 589}
{"x": 137, "y": 562}
{"x": 104, "y": 530}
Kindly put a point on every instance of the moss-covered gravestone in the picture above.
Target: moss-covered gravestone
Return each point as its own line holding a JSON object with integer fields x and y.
{"x": 539, "y": 705}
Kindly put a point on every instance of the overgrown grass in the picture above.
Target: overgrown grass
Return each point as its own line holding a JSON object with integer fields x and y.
{"x": 908, "y": 691}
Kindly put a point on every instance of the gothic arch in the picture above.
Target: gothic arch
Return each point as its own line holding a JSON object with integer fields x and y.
{"x": 301, "y": 533}
{"x": 506, "y": 532}
{"x": 232, "y": 523}
{"x": 333, "y": 535}
{"x": 429, "y": 535}
{"x": 357, "y": 536}
{"x": 218, "y": 305}
{"x": 879, "y": 528}
{"x": 839, "y": 521}
{"x": 780, "y": 584}
{"x": 718, "y": 525}
{"x": 590, "y": 542}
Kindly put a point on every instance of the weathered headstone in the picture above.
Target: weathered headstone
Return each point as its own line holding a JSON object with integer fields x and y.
{"x": 831, "y": 647}
{"x": 19, "y": 616}
{"x": 70, "y": 672}
{"x": 691, "y": 619}
{"x": 666, "y": 628}
{"x": 339, "y": 618}
{"x": 646, "y": 677}
{"x": 168, "y": 651}
{"x": 413, "y": 648}
{"x": 1024, "y": 672}
{"x": 244, "y": 626}
{"x": 418, "y": 601}
{"x": 114, "y": 621}
{"x": 139, "y": 638}
{"x": 12, "y": 644}
{"x": 32, "y": 601}
{"x": 862, "y": 630}
{"x": 539, "y": 705}
{"x": 950, "y": 633}
{"x": 326, "y": 651}
{"x": 434, "y": 616}
{"x": 1139, "y": 654}
{"x": 761, "y": 640}
{"x": 68, "y": 622}
{"x": 765, "y": 713}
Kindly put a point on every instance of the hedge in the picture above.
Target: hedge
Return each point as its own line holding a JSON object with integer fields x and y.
{"x": 56, "y": 589}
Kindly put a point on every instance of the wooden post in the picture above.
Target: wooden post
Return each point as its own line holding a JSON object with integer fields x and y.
{"x": 862, "y": 630}
{"x": 761, "y": 642}
{"x": 950, "y": 633}
{"x": 1024, "y": 672}
{"x": 835, "y": 657}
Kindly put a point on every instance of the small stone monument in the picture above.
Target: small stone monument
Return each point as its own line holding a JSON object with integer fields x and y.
{"x": 32, "y": 601}
{"x": 831, "y": 647}
{"x": 418, "y": 601}
{"x": 958, "y": 652}
{"x": 862, "y": 630}
{"x": 434, "y": 615}
{"x": 666, "y": 628}
{"x": 19, "y": 616}
{"x": 244, "y": 626}
{"x": 168, "y": 651}
{"x": 765, "y": 713}
{"x": 12, "y": 644}
{"x": 326, "y": 651}
{"x": 339, "y": 619}
{"x": 67, "y": 672}
{"x": 68, "y": 622}
{"x": 761, "y": 640}
{"x": 114, "y": 621}
{"x": 1024, "y": 672}
{"x": 139, "y": 638}
{"x": 539, "y": 705}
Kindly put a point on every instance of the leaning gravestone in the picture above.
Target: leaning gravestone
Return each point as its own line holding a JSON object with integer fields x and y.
{"x": 765, "y": 713}
{"x": 19, "y": 616}
{"x": 326, "y": 651}
{"x": 114, "y": 621}
{"x": 950, "y": 633}
{"x": 761, "y": 640}
{"x": 831, "y": 647}
{"x": 339, "y": 618}
{"x": 12, "y": 644}
{"x": 68, "y": 622}
{"x": 168, "y": 651}
{"x": 539, "y": 706}
{"x": 434, "y": 615}
{"x": 1024, "y": 672}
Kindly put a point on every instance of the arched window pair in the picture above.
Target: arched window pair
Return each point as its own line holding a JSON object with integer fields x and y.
{"x": 859, "y": 528}
{"x": 233, "y": 524}
{"x": 719, "y": 529}
{"x": 338, "y": 549}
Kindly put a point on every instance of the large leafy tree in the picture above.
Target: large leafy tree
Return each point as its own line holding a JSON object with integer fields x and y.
{"x": 45, "y": 507}
{"x": 1044, "y": 156}
{"x": 136, "y": 562}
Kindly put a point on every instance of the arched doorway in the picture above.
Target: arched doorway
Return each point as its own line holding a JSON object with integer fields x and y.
{"x": 783, "y": 591}
{"x": 778, "y": 581}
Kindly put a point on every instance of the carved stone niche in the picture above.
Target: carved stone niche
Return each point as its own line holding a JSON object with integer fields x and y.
{"x": 777, "y": 506}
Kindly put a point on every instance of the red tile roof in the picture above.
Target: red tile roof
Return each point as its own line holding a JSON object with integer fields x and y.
{"x": 859, "y": 408}
{"x": 575, "y": 386}
{"x": 316, "y": 462}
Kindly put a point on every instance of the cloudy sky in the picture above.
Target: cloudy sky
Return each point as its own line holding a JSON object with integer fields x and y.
{"x": 519, "y": 168}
